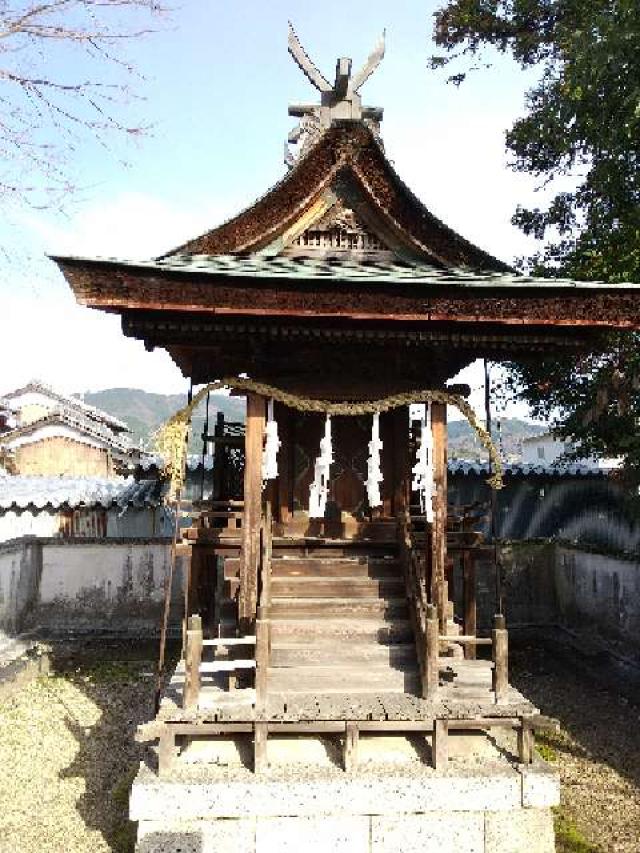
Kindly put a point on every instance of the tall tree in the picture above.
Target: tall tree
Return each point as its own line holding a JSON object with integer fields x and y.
{"x": 64, "y": 73}
{"x": 582, "y": 121}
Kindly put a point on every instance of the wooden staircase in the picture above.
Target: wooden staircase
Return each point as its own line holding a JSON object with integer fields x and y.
{"x": 340, "y": 624}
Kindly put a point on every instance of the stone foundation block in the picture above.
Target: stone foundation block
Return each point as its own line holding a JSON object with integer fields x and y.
{"x": 205, "y": 836}
{"x": 434, "y": 832}
{"x": 344, "y": 834}
{"x": 540, "y": 787}
{"x": 529, "y": 830}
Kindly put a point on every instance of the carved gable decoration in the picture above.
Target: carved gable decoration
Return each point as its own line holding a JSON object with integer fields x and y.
{"x": 338, "y": 231}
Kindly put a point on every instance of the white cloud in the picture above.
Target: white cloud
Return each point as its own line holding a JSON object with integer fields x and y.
{"x": 129, "y": 225}
{"x": 76, "y": 349}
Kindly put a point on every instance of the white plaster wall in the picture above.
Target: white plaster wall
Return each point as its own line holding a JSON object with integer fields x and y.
{"x": 9, "y": 574}
{"x": 551, "y": 448}
{"x": 20, "y": 567}
{"x": 104, "y": 586}
{"x": 14, "y": 525}
{"x": 134, "y": 570}
{"x": 598, "y": 589}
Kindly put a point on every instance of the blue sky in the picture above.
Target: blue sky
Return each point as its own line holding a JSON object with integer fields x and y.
{"x": 217, "y": 82}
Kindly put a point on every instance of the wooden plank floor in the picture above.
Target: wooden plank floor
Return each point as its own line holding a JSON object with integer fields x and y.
{"x": 465, "y": 693}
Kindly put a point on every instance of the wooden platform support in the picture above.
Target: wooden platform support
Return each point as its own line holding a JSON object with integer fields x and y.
{"x": 526, "y": 741}
{"x": 500, "y": 673}
{"x": 260, "y": 736}
{"x": 440, "y": 744}
{"x": 166, "y": 750}
{"x": 351, "y": 737}
{"x": 250, "y": 552}
{"x": 432, "y": 653}
{"x": 192, "y": 661}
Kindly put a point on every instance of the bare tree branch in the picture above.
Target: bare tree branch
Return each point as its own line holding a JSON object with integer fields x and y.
{"x": 45, "y": 113}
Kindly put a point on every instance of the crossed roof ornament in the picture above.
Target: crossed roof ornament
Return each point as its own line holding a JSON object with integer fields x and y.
{"x": 340, "y": 100}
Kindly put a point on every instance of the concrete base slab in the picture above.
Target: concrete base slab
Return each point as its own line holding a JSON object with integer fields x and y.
{"x": 498, "y": 808}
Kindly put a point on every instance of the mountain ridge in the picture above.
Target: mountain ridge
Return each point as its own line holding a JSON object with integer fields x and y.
{"x": 146, "y": 411}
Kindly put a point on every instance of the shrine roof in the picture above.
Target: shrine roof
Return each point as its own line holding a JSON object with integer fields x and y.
{"x": 372, "y": 271}
{"x": 347, "y": 163}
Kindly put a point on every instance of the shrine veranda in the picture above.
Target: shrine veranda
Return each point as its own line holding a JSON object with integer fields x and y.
{"x": 319, "y": 603}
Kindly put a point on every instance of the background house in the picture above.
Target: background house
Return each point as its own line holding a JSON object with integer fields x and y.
{"x": 50, "y": 434}
{"x": 550, "y": 449}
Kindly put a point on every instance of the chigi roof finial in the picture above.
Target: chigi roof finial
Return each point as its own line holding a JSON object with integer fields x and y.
{"x": 338, "y": 101}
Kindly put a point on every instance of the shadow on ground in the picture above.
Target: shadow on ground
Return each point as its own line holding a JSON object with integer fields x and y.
{"x": 118, "y": 677}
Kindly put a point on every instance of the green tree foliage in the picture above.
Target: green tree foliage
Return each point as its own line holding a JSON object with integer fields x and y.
{"x": 582, "y": 121}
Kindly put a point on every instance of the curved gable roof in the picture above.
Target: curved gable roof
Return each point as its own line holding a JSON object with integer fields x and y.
{"x": 348, "y": 150}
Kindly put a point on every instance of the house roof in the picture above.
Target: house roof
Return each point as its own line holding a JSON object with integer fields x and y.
{"x": 21, "y": 493}
{"x": 37, "y": 387}
{"x": 75, "y": 420}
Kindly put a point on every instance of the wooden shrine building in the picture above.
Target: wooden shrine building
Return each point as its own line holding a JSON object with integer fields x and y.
{"x": 334, "y": 612}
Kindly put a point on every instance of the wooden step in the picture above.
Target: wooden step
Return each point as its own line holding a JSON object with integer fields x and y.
{"x": 334, "y": 567}
{"x": 342, "y": 680}
{"x": 334, "y": 653}
{"x": 324, "y": 608}
{"x": 309, "y": 587}
{"x": 388, "y": 631}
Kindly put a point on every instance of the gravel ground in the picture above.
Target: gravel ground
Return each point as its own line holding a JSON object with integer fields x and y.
{"x": 68, "y": 755}
{"x": 597, "y": 751}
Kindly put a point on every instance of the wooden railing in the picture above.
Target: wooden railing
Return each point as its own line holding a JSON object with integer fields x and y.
{"x": 195, "y": 667}
{"x": 223, "y": 516}
{"x": 422, "y": 613}
{"x": 426, "y": 622}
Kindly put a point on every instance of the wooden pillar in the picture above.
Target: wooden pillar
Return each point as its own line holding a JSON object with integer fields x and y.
{"x": 439, "y": 527}
{"x": 431, "y": 673}
{"x": 219, "y": 462}
{"x": 193, "y": 658}
{"x": 263, "y": 642}
{"x": 500, "y": 659}
{"x": 401, "y": 462}
{"x": 284, "y": 416}
{"x": 469, "y": 595}
{"x": 250, "y": 550}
